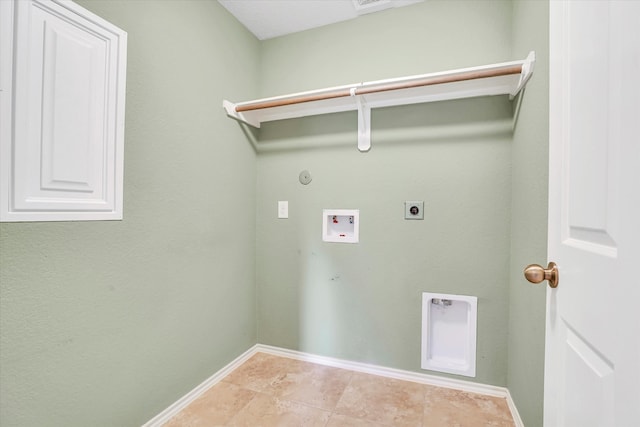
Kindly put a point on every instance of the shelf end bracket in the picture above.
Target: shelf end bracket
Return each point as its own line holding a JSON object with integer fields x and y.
{"x": 527, "y": 71}
{"x": 230, "y": 108}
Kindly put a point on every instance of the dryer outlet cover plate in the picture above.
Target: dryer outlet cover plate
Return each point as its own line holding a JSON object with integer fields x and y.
{"x": 414, "y": 210}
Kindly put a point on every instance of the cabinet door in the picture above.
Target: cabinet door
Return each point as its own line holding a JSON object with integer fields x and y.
{"x": 63, "y": 157}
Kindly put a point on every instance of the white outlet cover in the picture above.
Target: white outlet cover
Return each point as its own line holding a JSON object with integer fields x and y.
{"x": 414, "y": 209}
{"x": 283, "y": 209}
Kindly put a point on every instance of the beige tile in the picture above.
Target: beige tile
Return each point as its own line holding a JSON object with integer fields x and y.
{"x": 291, "y": 379}
{"x": 314, "y": 385}
{"x": 258, "y": 372}
{"x": 268, "y": 411}
{"x": 338, "y": 420}
{"x": 463, "y": 409}
{"x": 214, "y": 408}
{"x": 280, "y": 392}
{"x": 383, "y": 400}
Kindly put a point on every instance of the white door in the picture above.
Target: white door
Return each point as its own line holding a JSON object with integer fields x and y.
{"x": 592, "y": 361}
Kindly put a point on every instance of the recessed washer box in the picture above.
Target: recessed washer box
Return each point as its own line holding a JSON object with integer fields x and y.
{"x": 449, "y": 330}
{"x": 340, "y": 225}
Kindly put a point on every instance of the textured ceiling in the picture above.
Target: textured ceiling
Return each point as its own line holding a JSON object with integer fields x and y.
{"x": 272, "y": 18}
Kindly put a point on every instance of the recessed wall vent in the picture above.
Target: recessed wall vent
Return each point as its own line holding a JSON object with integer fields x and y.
{"x": 368, "y": 6}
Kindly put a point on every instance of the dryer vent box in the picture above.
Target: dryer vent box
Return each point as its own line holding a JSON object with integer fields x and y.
{"x": 340, "y": 225}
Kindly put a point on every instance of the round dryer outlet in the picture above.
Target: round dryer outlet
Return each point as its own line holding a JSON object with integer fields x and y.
{"x": 414, "y": 210}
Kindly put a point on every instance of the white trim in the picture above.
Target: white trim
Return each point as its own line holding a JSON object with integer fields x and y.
{"x": 514, "y": 411}
{"x": 382, "y": 371}
{"x": 164, "y": 416}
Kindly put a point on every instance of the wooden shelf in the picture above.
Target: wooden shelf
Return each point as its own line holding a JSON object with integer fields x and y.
{"x": 506, "y": 78}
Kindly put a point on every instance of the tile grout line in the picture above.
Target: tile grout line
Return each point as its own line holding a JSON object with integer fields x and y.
{"x": 268, "y": 391}
{"x": 309, "y": 405}
{"x": 255, "y": 394}
{"x": 334, "y": 412}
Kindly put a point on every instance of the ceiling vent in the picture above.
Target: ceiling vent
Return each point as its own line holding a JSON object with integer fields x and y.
{"x": 368, "y": 6}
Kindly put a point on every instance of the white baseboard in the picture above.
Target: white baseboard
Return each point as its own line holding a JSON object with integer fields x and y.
{"x": 164, "y": 416}
{"x": 514, "y": 411}
{"x": 382, "y": 371}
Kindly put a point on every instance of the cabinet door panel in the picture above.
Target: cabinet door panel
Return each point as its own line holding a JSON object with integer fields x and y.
{"x": 68, "y": 91}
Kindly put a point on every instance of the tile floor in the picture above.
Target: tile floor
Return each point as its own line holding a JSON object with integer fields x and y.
{"x": 268, "y": 390}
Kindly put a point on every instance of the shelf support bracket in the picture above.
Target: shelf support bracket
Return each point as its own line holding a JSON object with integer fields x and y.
{"x": 364, "y": 123}
{"x": 230, "y": 108}
{"x": 527, "y": 71}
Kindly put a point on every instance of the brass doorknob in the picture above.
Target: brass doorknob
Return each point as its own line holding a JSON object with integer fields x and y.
{"x": 536, "y": 274}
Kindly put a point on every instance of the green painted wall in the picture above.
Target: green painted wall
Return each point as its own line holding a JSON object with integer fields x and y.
{"x": 108, "y": 323}
{"x": 529, "y": 215}
{"x": 363, "y": 302}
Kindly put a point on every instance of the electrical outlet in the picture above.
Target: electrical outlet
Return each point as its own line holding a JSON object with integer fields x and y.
{"x": 414, "y": 210}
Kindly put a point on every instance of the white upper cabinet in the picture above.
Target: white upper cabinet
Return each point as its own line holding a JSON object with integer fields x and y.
{"x": 62, "y": 81}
